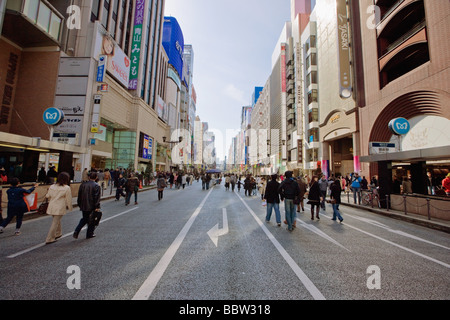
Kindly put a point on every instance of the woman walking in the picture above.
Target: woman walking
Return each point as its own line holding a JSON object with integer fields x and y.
{"x": 16, "y": 205}
{"x": 161, "y": 185}
{"x": 336, "y": 200}
{"x": 303, "y": 189}
{"x": 60, "y": 200}
{"x": 314, "y": 197}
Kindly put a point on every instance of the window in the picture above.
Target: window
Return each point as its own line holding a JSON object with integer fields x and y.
{"x": 311, "y": 78}
{"x": 44, "y": 16}
{"x": 313, "y": 115}
{"x": 313, "y": 135}
{"x": 312, "y": 96}
{"x": 105, "y": 14}
{"x": 55, "y": 26}
{"x": 95, "y": 10}
{"x": 31, "y": 9}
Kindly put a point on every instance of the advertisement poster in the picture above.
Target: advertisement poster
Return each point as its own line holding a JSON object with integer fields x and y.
{"x": 136, "y": 44}
{"x": 118, "y": 63}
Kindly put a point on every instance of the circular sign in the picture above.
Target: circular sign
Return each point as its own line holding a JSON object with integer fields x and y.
{"x": 53, "y": 116}
{"x": 399, "y": 126}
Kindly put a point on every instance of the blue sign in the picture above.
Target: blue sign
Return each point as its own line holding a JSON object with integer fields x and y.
{"x": 173, "y": 43}
{"x": 101, "y": 68}
{"x": 399, "y": 126}
{"x": 53, "y": 116}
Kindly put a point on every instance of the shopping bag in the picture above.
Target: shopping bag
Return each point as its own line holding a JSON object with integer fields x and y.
{"x": 264, "y": 203}
{"x": 31, "y": 201}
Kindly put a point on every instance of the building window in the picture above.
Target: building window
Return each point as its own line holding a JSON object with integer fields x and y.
{"x": 313, "y": 135}
{"x": 95, "y": 10}
{"x": 311, "y": 78}
{"x": 313, "y": 115}
{"x": 312, "y": 96}
{"x": 105, "y": 14}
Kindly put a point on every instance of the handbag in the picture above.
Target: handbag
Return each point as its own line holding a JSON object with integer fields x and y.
{"x": 95, "y": 217}
{"x": 42, "y": 209}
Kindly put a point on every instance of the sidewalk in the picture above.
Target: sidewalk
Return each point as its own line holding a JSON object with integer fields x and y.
{"x": 437, "y": 224}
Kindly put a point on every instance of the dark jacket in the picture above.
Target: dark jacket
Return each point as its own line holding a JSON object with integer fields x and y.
{"x": 15, "y": 199}
{"x": 89, "y": 196}
{"x": 132, "y": 184}
{"x": 314, "y": 192}
{"x": 289, "y": 189}
{"x": 336, "y": 192}
{"x": 272, "y": 195}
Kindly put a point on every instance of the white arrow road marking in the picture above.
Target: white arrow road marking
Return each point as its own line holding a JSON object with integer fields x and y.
{"x": 215, "y": 232}
{"x": 320, "y": 233}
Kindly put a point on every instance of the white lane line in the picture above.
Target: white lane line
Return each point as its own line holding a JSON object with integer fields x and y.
{"x": 146, "y": 289}
{"x": 319, "y": 232}
{"x": 317, "y": 295}
{"x": 397, "y": 245}
{"x": 66, "y": 235}
{"x": 399, "y": 232}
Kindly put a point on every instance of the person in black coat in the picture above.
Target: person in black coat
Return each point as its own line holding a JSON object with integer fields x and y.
{"x": 273, "y": 199}
{"x": 314, "y": 197}
{"x": 336, "y": 200}
{"x": 89, "y": 201}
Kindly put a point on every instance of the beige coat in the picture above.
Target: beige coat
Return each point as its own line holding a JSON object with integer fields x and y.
{"x": 60, "y": 198}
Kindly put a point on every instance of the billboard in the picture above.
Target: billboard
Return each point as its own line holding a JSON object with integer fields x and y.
{"x": 136, "y": 44}
{"x": 173, "y": 43}
{"x": 118, "y": 63}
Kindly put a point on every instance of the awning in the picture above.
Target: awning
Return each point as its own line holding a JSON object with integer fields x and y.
{"x": 437, "y": 153}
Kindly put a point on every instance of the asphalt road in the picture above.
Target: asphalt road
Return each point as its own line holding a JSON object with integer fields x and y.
{"x": 216, "y": 245}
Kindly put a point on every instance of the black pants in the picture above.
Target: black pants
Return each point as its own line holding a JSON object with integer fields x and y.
{"x": 160, "y": 194}
{"x": 85, "y": 220}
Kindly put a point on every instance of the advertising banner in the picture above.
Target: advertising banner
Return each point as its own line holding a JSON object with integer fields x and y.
{"x": 118, "y": 63}
{"x": 344, "y": 50}
{"x": 136, "y": 44}
{"x": 147, "y": 148}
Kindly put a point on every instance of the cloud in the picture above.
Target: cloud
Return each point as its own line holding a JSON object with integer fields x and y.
{"x": 235, "y": 93}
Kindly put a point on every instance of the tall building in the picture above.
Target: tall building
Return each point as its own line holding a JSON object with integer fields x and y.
{"x": 403, "y": 73}
{"x": 101, "y": 62}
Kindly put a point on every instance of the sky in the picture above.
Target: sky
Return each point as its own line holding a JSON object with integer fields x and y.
{"x": 233, "y": 42}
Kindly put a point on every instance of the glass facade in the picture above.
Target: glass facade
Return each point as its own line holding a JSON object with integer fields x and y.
{"x": 124, "y": 150}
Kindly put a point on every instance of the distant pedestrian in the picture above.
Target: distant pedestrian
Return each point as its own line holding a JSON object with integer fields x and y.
{"x": 85, "y": 175}
{"x": 288, "y": 191}
{"x": 131, "y": 186}
{"x": 120, "y": 184}
{"x": 446, "y": 185}
{"x": 336, "y": 200}
{"x": 356, "y": 187}
{"x": 183, "y": 180}
{"x": 171, "y": 180}
{"x": 303, "y": 189}
{"x": 60, "y": 200}
{"x": 239, "y": 184}
{"x": 323, "y": 186}
{"x": 407, "y": 186}
{"x": 88, "y": 201}
{"x": 16, "y": 205}
{"x": 314, "y": 197}
{"x": 161, "y": 185}
{"x": 272, "y": 197}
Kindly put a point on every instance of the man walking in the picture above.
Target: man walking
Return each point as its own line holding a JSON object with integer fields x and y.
{"x": 89, "y": 202}
{"x": 323, "y": 186}
{"x": 288, "y": 190}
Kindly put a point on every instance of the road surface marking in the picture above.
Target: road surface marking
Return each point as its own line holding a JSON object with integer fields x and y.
{"x": 317, "y": 295}
{"x": 215, "y": 232}
{"x": 146, "y": 290}
{"x": 398, "y": 246}
{"x": 66, "y": 235}
{"x": 319, "y": 232}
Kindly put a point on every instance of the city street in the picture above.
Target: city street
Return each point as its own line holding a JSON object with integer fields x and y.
{"x": 216, "y": 245}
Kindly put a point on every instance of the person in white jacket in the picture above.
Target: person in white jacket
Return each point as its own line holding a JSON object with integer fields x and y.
{"x": 60, "y": 200}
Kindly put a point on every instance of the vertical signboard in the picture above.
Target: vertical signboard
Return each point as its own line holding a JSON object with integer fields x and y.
{"x": 136, "y": 44}
{"x": 102, "y": 60}
{"x": 345, "y": 90}
{"x": 147, "y": 148}
{"x": 283, "y": 68}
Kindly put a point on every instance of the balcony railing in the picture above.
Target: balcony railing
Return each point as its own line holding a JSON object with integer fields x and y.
{"x": 41, "y": 13}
